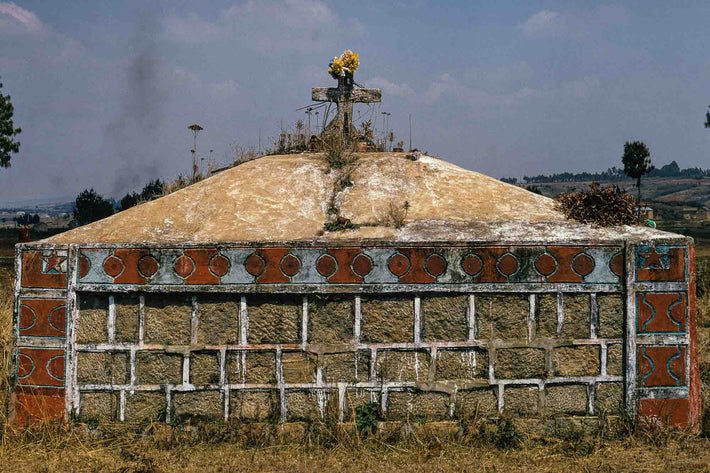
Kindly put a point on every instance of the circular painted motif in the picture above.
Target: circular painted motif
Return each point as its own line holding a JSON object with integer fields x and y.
{"x": 399, "y": 265}
{"x": 184, "y": 266}
{"x": 58, "y": 319}
{"x": 219, "y": 265}
{"x": 435, "y": 265}
{"x": 55, "y": 367}
{"x": 255, "y": 264}
{"x": 362, "y": 265}
{"x": 472, "y": 264}
{"x": 84, "y": 266}
{"x": 583, "y": 264}
{"x": 507, "y": 264}
{"x": 148, "y": 266}
{"x": 290, "y": 265}
{"x": 113, "y": 266}
{"x": 617, "y": 264}
{"x": 25, "y": 366}
{"x": 27, "y": 317}
{"x": 546, "y": 264}
{"x": 326, "y": 265}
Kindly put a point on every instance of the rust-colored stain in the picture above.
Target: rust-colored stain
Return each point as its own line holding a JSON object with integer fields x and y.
{"x": 661, "y": 366}
{"x": 33, "y": 276}
{"x": 43, "y": 318}
{"x": 40, "y": 367}
{"x": 661, "y": 312}
{"x": 564, "y": 256}
{"x": 672, "y": 412}
{"x": 694, "y": 381}
{"x": 31, "y": 405}
{"x": 654, "y": 271}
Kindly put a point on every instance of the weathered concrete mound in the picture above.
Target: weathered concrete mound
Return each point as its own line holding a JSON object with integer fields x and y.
{"x": 227, "y": 300}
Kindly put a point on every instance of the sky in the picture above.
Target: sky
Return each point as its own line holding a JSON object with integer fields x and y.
{"x": 104, "y": 91}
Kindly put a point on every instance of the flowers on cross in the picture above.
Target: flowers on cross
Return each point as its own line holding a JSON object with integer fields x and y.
{"x": 348, "y": 62}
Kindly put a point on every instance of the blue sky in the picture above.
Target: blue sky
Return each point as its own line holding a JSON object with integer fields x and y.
{"x": 104, "y": 91}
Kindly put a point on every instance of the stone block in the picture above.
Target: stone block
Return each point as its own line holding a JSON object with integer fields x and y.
{"x": 302, "y": 406}
{"x": 418, "y": 406}
{"x": 611, "y": 315}
{"x": 388, "y": 319}
{"x": 145, "y": 406}
{"x": 610, "y": 398}
{"x": 396, "y": 365}
{"x": 168, "y": 319}
{"x": 103, "y": 368}
{"x": 253, "y": 367}
{"x": 502, "y": 316}
{"x": 218, "y": 319}
{"x": 255, "y": 406}
{"x": 444, "y": 318}
{"x": 93, "y": 319}
{"x": 103, "y": 406}
{"x": 566, "y": 400}
{"x": 200, "y": 406}
{"x": 127, "y": 314}
{"x": 461, "y": 365}
{"x": 476, "y": 403}
{"x": 298, "y": 367}
{"x": 358, "y": 397}
{"x": 351, "y": 367}
{"x": 520, "y": 363}
{"x": 576, "y": 320}
{"x": 204, "y": 368}
{"x": 158, "y": 368}
{"x": 331, "y": 319}
{"x": 521, "y": 401}
{"x": 579, "y": 360}
{"x": 615, "y": 359}
{"x": 274, "y": 318}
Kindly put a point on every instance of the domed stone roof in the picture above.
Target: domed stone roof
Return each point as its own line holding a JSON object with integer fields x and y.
{"x": 287, "y": 198}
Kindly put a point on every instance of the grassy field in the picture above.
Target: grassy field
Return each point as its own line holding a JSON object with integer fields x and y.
{"x": 470, "y": 446}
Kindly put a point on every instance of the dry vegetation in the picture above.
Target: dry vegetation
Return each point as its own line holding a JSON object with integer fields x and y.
{"x": 604, "y": 206}
{"x": 471, "y": 445}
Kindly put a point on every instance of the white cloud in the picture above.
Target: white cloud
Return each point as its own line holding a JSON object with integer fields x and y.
{"x": 446, "y": 84}
{"x": 389, "y": 87}
{"x": 544, "y": 24}
{"x": 17, "y": 19}
{"x": 552, "y": 24}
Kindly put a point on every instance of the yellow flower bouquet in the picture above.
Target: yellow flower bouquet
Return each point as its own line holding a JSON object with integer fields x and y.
{"x": 348, "y": 62}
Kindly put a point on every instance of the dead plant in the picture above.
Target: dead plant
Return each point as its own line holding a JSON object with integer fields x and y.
{"x": 604, "y": 206}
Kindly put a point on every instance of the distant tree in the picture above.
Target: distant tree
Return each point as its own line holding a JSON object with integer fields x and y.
{"x": 509, "y": 180}
{"x": 91, "y": 206}
{"x": 637, "y": 162}
{"x": 7, "y": 131}
{"x": 35, "y": 219}
{"x": 152, "y": 190}
{"x": 129, "y": 200}
{"x": 707, "y": 118}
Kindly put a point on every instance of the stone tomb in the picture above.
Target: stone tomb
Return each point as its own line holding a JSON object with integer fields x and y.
{"x": 227, "y": 300}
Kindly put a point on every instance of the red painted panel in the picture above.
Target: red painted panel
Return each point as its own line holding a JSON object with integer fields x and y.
{"x": 661, "y": 366}
{"x": 564, "y": 256}
{"x": 272, "y": 273}
{"x": 33, "y": 276}
{"x": 40, "y": 367}
{"x": 344, "y": 273}
{"x": 659, "y": 311}
{"x": 672, "y": 412}
{"x": 653, "y": 271}
{"x": 34, "y": 404}
{"x": 130, "y": 258}
{"x": 489, "y": 257}
{"x": 417, "y": 273}
{"x": 43, "y": 318}
{"x": 202, "y": 273}
{"x": 694, "y": 382}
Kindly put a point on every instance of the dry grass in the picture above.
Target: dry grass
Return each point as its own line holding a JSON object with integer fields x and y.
{"x": 237, "y": 448}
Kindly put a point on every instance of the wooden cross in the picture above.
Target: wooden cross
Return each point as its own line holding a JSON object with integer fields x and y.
{"x": 345, "y": 95}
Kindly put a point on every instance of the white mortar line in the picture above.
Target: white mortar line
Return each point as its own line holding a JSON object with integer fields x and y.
{"x": 243, "y": 321}
{"x": 471, "y": 317}
{"x": 531, "y": 317}
{"x": 591, "y": 396}
{"x": 111, "y": 321}
{"x": 383, "y": 400}
{"x": 358, "y": 319}
{"x": 186, "y": 370}
{"x": 501, "y": 401}
{"x": 341, "y": 401}
{"x": 417, "y": 320}
{"x": 71, "y": 399}
{"x": 280, "y": 384}
{"x": 168, "y": 404}
{"x": 304, "y": 324}
{"x": 222, "y": 366}
{"x": 122, "y": 406}
{"x": 141, "y": 320}
{"x": 132, "y": 364}
{"x": 631, "y": 365}
{"x": 604, "y": 355}
{"x": 195, "y": 321}
{"x": 593, "y": 316}
{"x": 560, "y": 312}
{"x": 373, "y": 365}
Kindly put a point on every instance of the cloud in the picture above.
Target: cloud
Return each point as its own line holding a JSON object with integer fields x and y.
{"x": 544, "y": 24}
{"x": 14, "y": 18}
{"x": 265, "y": 25}
{"x": 448, "y": 85}
{"x": 390, "y": 88}
{"x": 224, "y": 90}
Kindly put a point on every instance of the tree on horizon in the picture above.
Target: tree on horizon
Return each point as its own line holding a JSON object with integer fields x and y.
{"x": 8, "y": 144}
{"x": 637, "y": 162}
